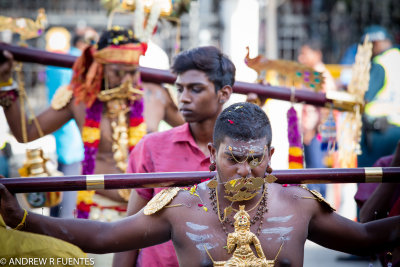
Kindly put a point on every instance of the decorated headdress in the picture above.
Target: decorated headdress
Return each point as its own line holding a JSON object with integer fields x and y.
{"x": 116, "y": 45}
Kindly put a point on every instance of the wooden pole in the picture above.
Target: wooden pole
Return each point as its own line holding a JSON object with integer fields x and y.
{"x": 170, "y": 179}
{"x": 32, "y": 55}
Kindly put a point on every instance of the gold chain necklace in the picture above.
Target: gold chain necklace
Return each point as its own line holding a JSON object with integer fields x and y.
{"x": 261, "y": 204}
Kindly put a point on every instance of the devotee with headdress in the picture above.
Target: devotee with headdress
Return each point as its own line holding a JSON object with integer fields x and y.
{"x": 239, "y": 218}
{"x": 204, "y": 84}
{"x": 105, "y": 97}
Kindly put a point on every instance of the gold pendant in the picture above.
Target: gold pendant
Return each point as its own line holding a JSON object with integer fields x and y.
{"x": 118, "y": 108}
{"x": 239, "y": 243}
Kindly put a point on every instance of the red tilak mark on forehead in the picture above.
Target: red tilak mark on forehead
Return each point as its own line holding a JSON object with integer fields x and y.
{"x": 230, "y": 121}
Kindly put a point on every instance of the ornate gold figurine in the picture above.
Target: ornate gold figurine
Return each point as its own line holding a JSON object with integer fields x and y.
{"x": 240, "y": 242}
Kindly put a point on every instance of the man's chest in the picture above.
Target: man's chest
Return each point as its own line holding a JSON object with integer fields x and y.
{"x": 203, "y": 236}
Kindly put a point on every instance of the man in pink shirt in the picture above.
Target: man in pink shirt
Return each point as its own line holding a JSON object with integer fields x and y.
{"x": 204, "y": 81}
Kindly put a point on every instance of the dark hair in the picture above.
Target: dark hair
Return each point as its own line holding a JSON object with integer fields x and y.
{"x": 77, "y": 38}
{"x": 243, "y": 121}
{"x": 208, "y": 59}
{"x": 110, "y": 37}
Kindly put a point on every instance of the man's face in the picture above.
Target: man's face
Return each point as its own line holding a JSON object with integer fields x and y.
{"x": 116, "y": 74}
{"x": 198, "y": 100}
{"x": 233, "y": 158}
{"x": 309, "y": 57}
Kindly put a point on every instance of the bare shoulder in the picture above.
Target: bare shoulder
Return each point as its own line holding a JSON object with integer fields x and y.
{"x": 78, "y": 110}
{"x": 170, "y": 198}
{"x": 156, "y": 89}
{"x": 300, "y": 198}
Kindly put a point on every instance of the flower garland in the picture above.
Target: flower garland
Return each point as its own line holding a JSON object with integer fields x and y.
{"x": 91, "y": 139}
{"x": 294, "y": 137}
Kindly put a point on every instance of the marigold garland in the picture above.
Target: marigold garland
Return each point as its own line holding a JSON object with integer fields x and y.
{"x": 294, "y": 137}
{"x": 91, "y": 138}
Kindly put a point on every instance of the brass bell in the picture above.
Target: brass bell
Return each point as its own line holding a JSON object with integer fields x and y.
{"x": 35, "y": 166}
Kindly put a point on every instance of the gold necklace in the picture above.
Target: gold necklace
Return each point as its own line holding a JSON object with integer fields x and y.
{"x": 261, "y": 204}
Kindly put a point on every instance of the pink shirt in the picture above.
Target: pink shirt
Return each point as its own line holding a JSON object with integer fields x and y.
{"x": 171, "y": 151}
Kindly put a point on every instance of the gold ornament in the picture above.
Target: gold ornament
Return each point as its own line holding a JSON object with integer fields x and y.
{"x": 243, "y": 188}
{"x": 349, "y": 134}
{"x": 270, "y": 178}
{"x": 117, "y": 107}
{"x": 124, "y": 91}
{"x": 26, "y": 28}
{"x": 254, "y": 162}
{"x": 317, "y": 196}
{"x": 240, "y": 242}
{"x": 36, "y": 165}
{"x": 159, "y": 201}
{"x": 124, "y": 193}
{"x": 261, "y": 204}
{"x": 285, "y": 73}
{"x": 61, "y": 98}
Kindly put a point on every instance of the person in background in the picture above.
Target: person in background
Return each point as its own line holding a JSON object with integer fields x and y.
{"x": 204, "y": 83}
{"x": 381, "y": 119}
{"x": 310, "y": 55}
{"x": 382, "y": 202}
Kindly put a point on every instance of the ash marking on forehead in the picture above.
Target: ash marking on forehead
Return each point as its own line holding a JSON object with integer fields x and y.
{"x": 280, "y": 219}
{"x": 245, "y": 148}
{"x": 197, "y": 227}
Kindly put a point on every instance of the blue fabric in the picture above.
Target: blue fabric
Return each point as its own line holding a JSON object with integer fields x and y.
{"x": 376, "y": 81}
{"x": 313, "y": 156}
{"x": 69, "y": 144}
{"x": 3, "y": 165}
{"x": 349, "y": 55}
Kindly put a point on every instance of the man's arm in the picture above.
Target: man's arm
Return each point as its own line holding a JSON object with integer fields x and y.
{"x": 96, "y": 237}
{"x": 49, "y": 121}
{"x": 128, "y": 258}
{"x": 140, "y": 161}
{"x": 379, "y": 201}
{"x": 336, "y": 232}
{"x": 159, "y": 106}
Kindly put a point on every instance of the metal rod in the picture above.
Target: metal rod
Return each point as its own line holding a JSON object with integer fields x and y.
{"x": 32, "y": 55}
{"x": 170, "y": 179}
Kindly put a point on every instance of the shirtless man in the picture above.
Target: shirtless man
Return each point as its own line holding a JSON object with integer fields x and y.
{"x": 281, "y": 218}
{"x": 205, "y": 77}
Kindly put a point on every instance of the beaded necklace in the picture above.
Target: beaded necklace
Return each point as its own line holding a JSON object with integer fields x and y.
{"x": 261, "y": 206}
